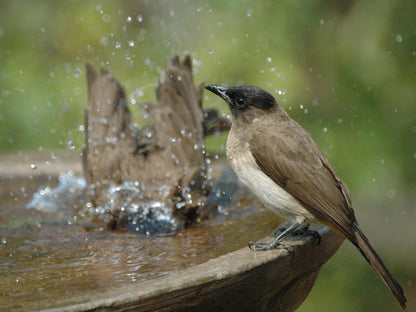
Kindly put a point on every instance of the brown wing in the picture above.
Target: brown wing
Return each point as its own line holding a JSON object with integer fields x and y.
{"x": 292, "y": 159}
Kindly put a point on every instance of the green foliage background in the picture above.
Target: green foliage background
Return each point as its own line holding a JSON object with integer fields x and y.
{"x": 346, "y": 70}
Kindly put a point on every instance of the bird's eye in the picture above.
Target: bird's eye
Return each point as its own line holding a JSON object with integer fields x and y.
{"x": 240, "y": 102}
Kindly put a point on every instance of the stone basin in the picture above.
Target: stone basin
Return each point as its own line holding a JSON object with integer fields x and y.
{"x": 51, "y": 261}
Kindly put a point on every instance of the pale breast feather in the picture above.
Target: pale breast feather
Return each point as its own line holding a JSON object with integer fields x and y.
{"x": 268, "y": 192}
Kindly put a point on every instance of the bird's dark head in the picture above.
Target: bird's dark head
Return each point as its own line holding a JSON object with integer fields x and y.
{"x": 246, "y": 102}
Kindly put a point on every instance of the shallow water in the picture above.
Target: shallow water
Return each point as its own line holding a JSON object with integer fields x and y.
{"x": 46, "y": 256}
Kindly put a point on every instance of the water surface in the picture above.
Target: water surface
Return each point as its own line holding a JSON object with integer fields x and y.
{"x": 49, "y": 256}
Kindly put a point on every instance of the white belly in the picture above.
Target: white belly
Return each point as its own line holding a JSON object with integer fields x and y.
{"x": 269, "y": 193}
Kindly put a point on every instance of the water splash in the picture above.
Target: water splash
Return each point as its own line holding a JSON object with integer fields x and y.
{"x": 222, "y": 192}
{"x": 137, "y": 213}
{"x": 63, "y": 197}
{"x": 126, "y": 205}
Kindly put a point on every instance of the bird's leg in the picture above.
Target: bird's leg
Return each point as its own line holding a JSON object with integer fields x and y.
{"x": 303, "y": 230}
{"x": 299, "y": 227}
{"x": 258, "y": 246}
{"x": 279, "y": 230}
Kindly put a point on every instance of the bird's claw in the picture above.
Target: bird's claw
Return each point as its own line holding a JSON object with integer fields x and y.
{"x": 262, "y": 246}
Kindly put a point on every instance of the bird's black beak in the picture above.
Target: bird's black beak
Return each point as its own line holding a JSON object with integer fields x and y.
{"x": 219, "y": 90}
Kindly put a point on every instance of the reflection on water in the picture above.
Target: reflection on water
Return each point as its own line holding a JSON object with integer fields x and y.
{"x": 50, "y": 255}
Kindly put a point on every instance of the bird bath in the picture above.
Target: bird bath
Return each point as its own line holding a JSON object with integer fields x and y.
{"x": 51, "y": 260}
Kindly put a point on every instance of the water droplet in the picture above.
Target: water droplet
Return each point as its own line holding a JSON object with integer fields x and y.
{"x": 249, "y": 12}
{"x": 33, "y": 166}
{"x": 210, "y": 51}
{"x": 268, "y": 59}
{"x": 391, "y": 193}
{"x": 70, "y": 145}
{"x": 111, "y": 140}
{"x": 129, "y": 19}
{"x": 139, "y": 18}
{"x": 104, "y": 41}
{"x": 131, "y": 43}
{"x": 117, "y": 45}
{"x": 325, "y": 129}
{"x": 4, "y": 240}
{"x": 135, "y": 95}
{"x": 196, "y": 62}
{"x": 399, "y": 38}
{"x": 77, "y": 73}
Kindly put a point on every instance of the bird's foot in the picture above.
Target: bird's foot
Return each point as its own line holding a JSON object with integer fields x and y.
{"x": 301, "y": 230}
{"x": 299, "y": 227}
{"x": 262, "y": 246}
{"x": 305, "y": 231}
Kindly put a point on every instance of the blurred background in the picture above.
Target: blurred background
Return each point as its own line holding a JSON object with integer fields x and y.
{"x": 345, "y": 70}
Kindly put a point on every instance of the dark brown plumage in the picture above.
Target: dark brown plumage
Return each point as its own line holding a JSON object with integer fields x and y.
{"x": 280, "y": 162}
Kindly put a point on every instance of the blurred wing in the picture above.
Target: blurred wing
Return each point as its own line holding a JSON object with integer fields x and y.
{"x": 292, "y": 159}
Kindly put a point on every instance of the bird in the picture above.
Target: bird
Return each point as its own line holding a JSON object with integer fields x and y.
{"x": 278, "y": 161}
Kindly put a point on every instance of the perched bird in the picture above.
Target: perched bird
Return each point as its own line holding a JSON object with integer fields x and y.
{"x": 282, "y": 165}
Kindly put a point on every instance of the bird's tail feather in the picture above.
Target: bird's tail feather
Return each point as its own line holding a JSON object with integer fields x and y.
{"x": 375, "y": 261}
